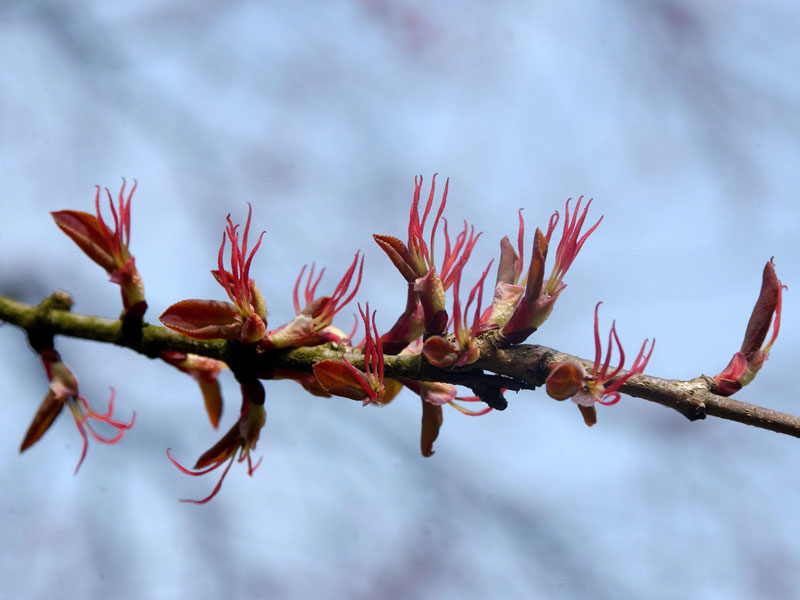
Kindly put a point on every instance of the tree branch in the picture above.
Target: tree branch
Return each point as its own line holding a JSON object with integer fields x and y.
{"x": 515, "y": 368}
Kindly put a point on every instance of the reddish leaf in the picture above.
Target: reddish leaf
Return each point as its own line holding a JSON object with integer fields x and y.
{"x": 533, "y": 287}
{"x": 337, "y": 378}
{"x": 218, "y": 277}
{"x": 439, "y": 352}
{"x": 84, "y": 229}
{"x": 204, "y": 319}
{"x": 44, "y": 417}
{"x": 505, "y": 301}
{"x": 432, "y": 297}
{"x": 727, "y": 381}
{"x": 391, "y": 388}
{"x": 589, "y": 414}
{"x": 409, "y": 326}
{"x": 565, "y": 380}
{"x": 222, "y": 450}
{"x": 508, "y": 269}
{"x": 431, "y": 422}
{"x": 398, "y": 254}
{"x": 435, "y": 392}
{"x": 212, "y": 396}
{"x": 758, "y": 325}
{"x": 309, "y": 382}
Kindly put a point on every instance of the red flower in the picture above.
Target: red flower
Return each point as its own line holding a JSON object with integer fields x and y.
{"x": 569, "y": 379}
{"x": 109, "y": 249}
{"x": 539, "y": 295}
{"x": 416, "y": 261}
{"x": 313, "y": 324}
{"x": 64, "y": 391}
{"x": 241, "y": 439}
{"x": 461, "y": 351}
{"x": 242, "y": 290}
{"x": 568, "y": 247}
{"x": 245, "y": 319}
{"x": 341, "y": 378}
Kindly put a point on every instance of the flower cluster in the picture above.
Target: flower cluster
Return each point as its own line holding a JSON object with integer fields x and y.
{"x": 245, "y": 319}
{"x": 341, "y": 378}
{"x": 313, "y": 324}
{"x": 569, "y": 379}
{"x": 63, "y": 391}
{"x": 416, "y": 261}
{"x": 109, "y": 248}
{"x": 520, "y": 304}
{"x": 520, "y": 318}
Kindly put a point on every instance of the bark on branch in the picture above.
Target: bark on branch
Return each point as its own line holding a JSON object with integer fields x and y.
{"x": 519, "y": 367}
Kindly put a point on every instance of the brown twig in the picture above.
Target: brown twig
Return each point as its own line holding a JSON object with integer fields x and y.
{"x": 516, "y": 368}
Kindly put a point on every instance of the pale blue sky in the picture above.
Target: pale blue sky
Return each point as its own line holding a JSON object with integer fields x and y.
{"x": 681, "y": 119}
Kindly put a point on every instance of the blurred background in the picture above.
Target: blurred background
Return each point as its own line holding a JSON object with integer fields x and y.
{"x": 681, "y": 119}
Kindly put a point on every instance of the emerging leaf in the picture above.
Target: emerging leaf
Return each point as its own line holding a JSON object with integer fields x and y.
{"x": 440, "y": 352}
{"x": 204, "y": 319}
{"x": 339, "y": 379}
{"x": 431, "y": 423}
{"x": 48, "y": 411}
{"x": 84, "y": 229}
{"x": 222, "y": 450}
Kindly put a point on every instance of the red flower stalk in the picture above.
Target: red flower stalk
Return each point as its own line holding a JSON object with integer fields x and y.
{"x": 312, "y": 325}
{"x": 245, "y": 319}
{"x": 205, "y": 372}
{"x": 461, "y": 351}
{"x": 540, "y": 295}
{"x": 341, "y": 378}
{"x": 241, "y": 439}
{"x": 746, "y": 363}
{"x": 569, "y": 379}
{"x": 64, "y": 391}
{"x": 109, "y": 249}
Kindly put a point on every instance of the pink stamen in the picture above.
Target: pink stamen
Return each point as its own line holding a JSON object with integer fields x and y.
{"x": 335, "y": 304}
{"x": 608, "y": 395}
{"x": 82, "y": 412}
{"x": 237, "y": 285}
{"x": 452, "y": 258}
{"x": 438, "y": 214}
{"x": 570, "y": 244}
{"x": 598, "y": 350}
